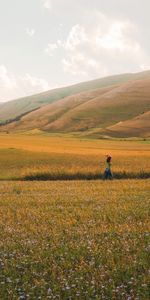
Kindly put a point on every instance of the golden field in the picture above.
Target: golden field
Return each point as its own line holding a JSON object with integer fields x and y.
{"x": 74, "y": 239}
{"x": 65, "y": 157}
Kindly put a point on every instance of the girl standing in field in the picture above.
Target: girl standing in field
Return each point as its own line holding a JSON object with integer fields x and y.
{"x": 108, "y": 173}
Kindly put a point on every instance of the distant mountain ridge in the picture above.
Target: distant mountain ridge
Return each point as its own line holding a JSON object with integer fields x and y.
{"x": 115, "y": 106}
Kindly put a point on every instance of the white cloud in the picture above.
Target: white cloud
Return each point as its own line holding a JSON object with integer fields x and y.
{"x": 47, "y": 4}
{"x": 51, "y": 48}
{"x": 34, "y": 84}
{"x": 30, "y": 31}
{"x": 12, "y": 86}
{"x": 99, "y": 47}
{"x": 72, "y": 65}
{"x": 83, "y": 65}
{"x": 7, "y": 81}
{"x": 76, "y": 36}
{"x": 145, "y": 67}
{"x": 89, "y": 48}
{"x": 117, "y": 38}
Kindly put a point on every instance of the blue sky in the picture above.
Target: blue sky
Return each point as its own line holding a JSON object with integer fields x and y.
{"x": 51, "y": 43}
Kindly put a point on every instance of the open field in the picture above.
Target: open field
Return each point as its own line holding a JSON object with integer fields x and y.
{"x": 54, "y": 157}
{"x": 75, "y": 240}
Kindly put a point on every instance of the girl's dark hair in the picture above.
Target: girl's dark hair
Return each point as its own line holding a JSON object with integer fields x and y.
{"x": 108, "y": 159}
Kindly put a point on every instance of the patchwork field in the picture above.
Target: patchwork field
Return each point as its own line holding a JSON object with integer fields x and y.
{"x": 76, "y": 239}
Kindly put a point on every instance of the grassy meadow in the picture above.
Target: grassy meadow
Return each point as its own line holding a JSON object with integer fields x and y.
{"x": 74, "y": 239}
{"x": 56, "y": 157}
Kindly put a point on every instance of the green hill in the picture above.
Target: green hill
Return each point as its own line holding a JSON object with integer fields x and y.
{"x": 109, "y": 110}
{"x": 17, "y": 108}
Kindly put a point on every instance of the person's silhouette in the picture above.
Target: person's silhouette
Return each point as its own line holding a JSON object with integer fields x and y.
{"x": 108, "y": 173}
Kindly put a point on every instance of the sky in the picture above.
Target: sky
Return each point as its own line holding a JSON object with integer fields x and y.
{"x": 45, "y": 44}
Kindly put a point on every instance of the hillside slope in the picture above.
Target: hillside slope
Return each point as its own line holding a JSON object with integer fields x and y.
{"x": 114, "y": 111}
{"x": 42, "y": 117}
{"x": 120, "y": 110}
{"x": 136, "y": 127}
{"x": 17, "y": 108}
{"x": 117, "y": 104}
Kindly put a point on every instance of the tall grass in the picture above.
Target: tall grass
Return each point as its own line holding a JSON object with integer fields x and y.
{"x": 83, "y": 176}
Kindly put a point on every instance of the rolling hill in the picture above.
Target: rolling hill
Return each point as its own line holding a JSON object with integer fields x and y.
{"x": 115, "y": 105}
{"x": 118, "y": 108}
{"x": 49, "y": 114}
{"x": 136, "y": 127}
{"x": 17, "y": 108}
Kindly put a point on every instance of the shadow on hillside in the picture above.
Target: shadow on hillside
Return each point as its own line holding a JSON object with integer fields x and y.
{"x": 83, "y": 176}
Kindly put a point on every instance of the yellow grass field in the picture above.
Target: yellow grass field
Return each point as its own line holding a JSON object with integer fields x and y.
{"x": 67, "y": 144}
{"x": 23, "y": 155}
{"x": 75, "y": 240}
{"x": 79, "y": 239}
